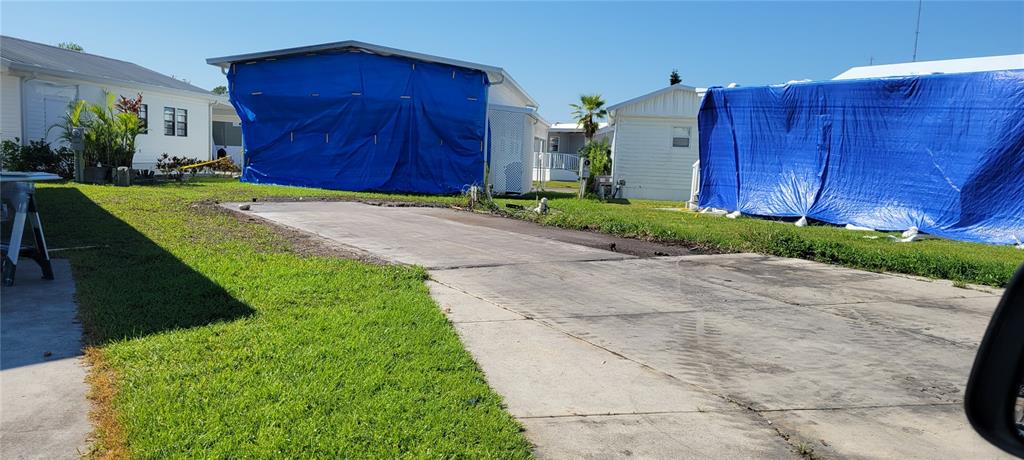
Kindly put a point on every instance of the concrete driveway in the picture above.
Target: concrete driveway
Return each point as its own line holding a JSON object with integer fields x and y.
{"x": 605, "y": 354}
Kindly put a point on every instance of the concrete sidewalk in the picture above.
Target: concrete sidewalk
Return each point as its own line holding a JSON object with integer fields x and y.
{"x": 43, "y": 406}
{"x": 602, "y": 354}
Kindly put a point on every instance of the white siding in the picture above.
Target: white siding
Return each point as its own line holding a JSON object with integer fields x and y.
{"x": 505, "y": 94}
{"x": 679, "y": 102}
{"x": 198, "y": 143}
{"x": 643, "y": 156}
{"x": 45, "y": 101}
{"x": 10, "y": 106}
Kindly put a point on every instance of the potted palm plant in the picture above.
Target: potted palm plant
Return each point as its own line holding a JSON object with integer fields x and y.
{"x": 110, "y": 132}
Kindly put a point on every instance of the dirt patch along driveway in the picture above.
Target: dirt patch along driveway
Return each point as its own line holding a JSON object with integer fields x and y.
{"x": 606, "y": 354}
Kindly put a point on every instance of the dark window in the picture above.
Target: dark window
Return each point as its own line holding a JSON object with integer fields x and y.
{"x": 168, "y": 121}
{"x": 143, "y": 119}
{"x": 681, "y": 136}
{"x": 181, "y": 122}
{"x": 553, "y": 143}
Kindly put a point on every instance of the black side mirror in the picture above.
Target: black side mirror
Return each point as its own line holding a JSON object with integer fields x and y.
{"x": 994, "y": 399}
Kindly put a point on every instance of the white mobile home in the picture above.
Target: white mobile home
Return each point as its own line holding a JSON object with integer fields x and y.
{"x": 975, "y": 64}
{"x": 655, "y": 143}
{"x": 39, "y": 81}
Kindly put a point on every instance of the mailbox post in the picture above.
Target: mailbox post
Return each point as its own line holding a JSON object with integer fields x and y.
{"x": 78, "y": 146}
{"x": 584, "y": 174}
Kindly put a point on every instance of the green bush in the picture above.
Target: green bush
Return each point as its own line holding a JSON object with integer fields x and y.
{"x": 600, "y": 155}
{"x": 37, "y": 156}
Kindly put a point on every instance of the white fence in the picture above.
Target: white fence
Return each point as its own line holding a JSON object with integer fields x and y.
{"x": 555, "y": 160}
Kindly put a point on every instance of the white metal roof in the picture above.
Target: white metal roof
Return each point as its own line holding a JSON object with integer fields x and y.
{"x": 571, "y": 127}
{"x": 651, "y": 94}
{"x": 976, "y": 64}
{"x": 496, "y": 75}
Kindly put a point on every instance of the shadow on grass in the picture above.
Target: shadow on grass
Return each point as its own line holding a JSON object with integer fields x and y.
{"x": 127, "y": 286}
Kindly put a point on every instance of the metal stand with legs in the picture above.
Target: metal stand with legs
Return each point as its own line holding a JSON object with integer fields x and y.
{"x": 21, "y": 197}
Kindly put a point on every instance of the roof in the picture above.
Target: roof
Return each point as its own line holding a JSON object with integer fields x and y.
{"x": 27, "y": 56}
{"x": 571, "y": 127}
{"x": 976, "y": 64}
{"x": 679, "y": 87}
{"x": 496, "y": 75}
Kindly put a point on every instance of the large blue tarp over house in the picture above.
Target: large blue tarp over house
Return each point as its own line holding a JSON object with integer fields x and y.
{"x": 351, "y": 120}
{"x": 944, "y": 153}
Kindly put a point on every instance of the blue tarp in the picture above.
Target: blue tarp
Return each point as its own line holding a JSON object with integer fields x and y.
{"x": 362, "y": 122}
{"x": 944, "y": 153}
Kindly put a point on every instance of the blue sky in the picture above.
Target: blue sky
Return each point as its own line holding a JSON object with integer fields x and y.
{"x": 554, "y": 50}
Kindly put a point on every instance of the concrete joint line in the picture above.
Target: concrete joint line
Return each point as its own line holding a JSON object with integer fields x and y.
{"x": 626, "y": 414}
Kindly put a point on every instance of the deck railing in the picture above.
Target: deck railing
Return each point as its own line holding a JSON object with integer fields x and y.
{"x": 556, "y": 160}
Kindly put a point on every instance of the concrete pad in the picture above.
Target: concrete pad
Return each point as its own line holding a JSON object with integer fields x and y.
{"x": 461, "y": 307}
{"x": 43, "y": 406}
{"x": 803, "y": 282}
{"x": 636, "y": 286}
{"x": 541, "y": 372}
{"x": 656, "y": 436}
{"x": 933, "y": 432}
{"x": 673, "y": 350}
{"x": 417, "y": 236}
{"x": 784, "y": 359}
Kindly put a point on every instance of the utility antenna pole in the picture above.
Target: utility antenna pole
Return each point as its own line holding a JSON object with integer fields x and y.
{"x": 917, "y": 30}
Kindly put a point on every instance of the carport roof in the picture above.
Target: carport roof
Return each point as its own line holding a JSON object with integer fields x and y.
{"x": 496, "y": 75}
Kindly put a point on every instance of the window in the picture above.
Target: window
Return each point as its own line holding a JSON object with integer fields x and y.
{"x": 168, "y": 121}
{"x": 554, "y": 143}
{"x": 181, "y": 122}
{"x": 143, "y": 119}
{"x": 175, "y": 122}
{"x": 680, "y": 136}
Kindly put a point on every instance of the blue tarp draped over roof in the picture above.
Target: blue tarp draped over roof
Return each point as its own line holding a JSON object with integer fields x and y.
{"x": 944, "y": 153}
{"x": 351, "y": 120}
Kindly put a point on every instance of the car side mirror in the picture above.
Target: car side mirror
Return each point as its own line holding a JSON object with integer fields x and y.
{"x": 994, "y": 399}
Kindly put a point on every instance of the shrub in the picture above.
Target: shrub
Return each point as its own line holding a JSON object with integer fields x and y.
{"x": 171, "y": 166}
{"x": 600, "y": 155}
{"x": 37, "y": 156}
{"x": 110, "y": 129}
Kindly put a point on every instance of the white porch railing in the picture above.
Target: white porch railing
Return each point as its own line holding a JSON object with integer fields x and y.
{"x": 556, "y": 160}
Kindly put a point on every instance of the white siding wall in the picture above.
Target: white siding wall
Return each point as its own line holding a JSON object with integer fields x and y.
{"x": 154, "y": 143}
{"x": 10, "y": 106}
{"x": 643, "y": 156}
{"x": 45, "y": 101}
{"x": 679, "y": 102}
{"x": 505, "y": 94}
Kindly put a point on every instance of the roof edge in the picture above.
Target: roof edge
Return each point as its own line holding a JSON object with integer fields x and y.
{"x": 652, "y": 93}
{"x": 496, "y": 75}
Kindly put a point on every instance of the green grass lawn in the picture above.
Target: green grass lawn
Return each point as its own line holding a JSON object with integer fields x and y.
{"x": 934, "y": 258}
{"x": 224, "y": 341}
{"x": 558, "y": 184}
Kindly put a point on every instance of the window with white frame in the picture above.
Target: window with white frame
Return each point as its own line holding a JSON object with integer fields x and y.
{"x": 681, "y": 136}
{"x": 553, "y": 143}
{"x": 143, "y": 119}
{"x": 168, "y": 121}
{"x": 181, "y": 122}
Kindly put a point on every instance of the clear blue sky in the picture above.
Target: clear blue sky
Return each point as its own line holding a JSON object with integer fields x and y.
{"x": 554, "y": 50}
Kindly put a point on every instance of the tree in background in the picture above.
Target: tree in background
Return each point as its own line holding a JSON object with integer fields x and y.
{"x": 71, "y": 46}
{"x": 673, "y": 79}
{"x": 220, "y": 90}
{"x": 588, "y": 112}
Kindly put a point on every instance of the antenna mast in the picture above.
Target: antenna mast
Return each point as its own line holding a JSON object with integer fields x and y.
{"x": 917, "y": 30}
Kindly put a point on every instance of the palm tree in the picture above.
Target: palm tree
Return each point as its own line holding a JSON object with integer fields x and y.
{"x": 588, "y": 112}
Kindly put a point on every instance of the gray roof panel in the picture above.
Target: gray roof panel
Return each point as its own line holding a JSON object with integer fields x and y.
{"x": 30, "y": 56}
